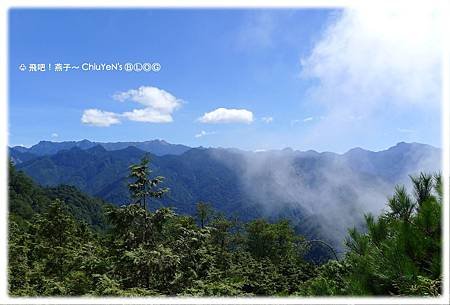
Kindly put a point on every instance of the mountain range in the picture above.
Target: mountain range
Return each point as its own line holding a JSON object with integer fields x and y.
{"x": 156, "y": 147}
{"x": 321, "y": 193}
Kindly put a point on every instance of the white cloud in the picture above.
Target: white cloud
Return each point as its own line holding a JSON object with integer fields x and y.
{"x": 158, "y": 106}
{"x": 373, "y": 63}
{"x": 204, "y": 133}
{"x": 151, "y": 97}
{"x": 308, "y": 119}
{"x": 54, "y": 135}
{"x": 100, "y": 118}
{"x": 224, "y": 115}
{"x": 376, "y": 52}
{"x": 267, "y": 119}
{"x": 148, "y": 115}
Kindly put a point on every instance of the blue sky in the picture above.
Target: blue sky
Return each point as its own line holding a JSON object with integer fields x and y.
{"x": 252, "y": 79}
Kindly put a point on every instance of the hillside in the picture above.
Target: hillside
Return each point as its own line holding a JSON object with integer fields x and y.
{"x": 27, "y": 199}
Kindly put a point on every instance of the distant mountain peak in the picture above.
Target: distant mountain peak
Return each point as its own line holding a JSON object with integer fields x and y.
{"x": 85, "y": 141}
{"x": 403, "y": 144}
{"x": 161, "y": 141}
{"x": 357, "y": 150}
{"x": 410, "y": 146}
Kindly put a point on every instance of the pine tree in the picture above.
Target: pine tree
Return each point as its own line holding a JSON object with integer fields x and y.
{"x": 143, "y": 187}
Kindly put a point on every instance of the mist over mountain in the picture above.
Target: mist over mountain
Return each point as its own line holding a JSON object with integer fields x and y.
{"x": 323, "y": 194}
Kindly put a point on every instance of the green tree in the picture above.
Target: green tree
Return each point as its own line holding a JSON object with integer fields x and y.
{"x": 401, "y": 252}
{"x": 142, "y": 186}
{"x": 18, "y": 259}
{"x": 274, "y": 241}
{"x": 203, "y": 212}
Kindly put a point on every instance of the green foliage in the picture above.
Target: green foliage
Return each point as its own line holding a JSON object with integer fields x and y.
{"x": 24, "y": 196}
{"x": 57, "y": 255}
{"x": 273, "y": 241}
{"x": 401, "y": 252}
{"x": 82, "y": 207}
{"x": 53, "y": 245}
{"x": 63, "y": 243}
{"x": 330, "y": 279}
{"x": 143, "y": 186}
{"x": 204, "y": 212}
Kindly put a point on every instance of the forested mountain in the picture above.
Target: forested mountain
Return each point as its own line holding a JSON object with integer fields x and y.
{"x": 64, "y": 243}
{"x": 27, "y": 199}
{"x": 321, "y": 193}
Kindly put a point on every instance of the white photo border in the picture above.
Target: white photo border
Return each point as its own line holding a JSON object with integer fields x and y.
{"x": 6, "y": 5}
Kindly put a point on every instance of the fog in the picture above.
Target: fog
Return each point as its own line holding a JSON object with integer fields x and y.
{"x": 328, "y": 191}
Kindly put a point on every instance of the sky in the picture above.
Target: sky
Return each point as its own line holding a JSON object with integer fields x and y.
{"x": 255, "y": 79}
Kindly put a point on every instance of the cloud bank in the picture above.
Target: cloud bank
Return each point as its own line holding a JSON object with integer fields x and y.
{"x": 372, "y": 52}
{"x": 373, "y": 61}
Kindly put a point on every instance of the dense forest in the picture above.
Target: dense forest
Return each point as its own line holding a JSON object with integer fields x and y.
{"x": 65, "y": 243}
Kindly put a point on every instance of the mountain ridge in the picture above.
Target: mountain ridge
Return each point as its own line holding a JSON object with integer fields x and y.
{"x": 157, "y": 147}
{"x": 161, "y": 147}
